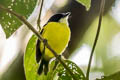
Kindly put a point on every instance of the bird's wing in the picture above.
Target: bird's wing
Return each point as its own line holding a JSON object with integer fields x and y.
{"x": 38, "y": 52}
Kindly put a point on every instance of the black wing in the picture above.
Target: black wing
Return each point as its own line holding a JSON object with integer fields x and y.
{"x": 39, "y": 58}
{"x": 38, "y": 52}
{"x": 43, "y": 63}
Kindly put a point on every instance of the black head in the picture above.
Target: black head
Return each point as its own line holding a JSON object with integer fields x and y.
{"x": 57, "y": 17}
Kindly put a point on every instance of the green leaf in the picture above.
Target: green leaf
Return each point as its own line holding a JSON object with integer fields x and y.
{"x": 30, "y": 64}
{"x": 86, "y": 3}
{"x": 9, "y": 22}
{"x": 62, "y": 74}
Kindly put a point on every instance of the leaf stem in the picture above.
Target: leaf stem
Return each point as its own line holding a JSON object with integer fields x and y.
{"x": 96, "y": 38}
{"x": 23, "y": 19}
{"x": 39, "y": 17}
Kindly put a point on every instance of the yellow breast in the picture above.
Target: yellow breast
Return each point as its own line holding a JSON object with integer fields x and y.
{"x": 58, "y": 36}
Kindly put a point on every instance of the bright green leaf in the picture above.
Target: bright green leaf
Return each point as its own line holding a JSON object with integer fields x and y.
{"x": 86, "y": 3}
{"x": 30, "y": 64}
{"x": 9, "y": 22}
{"x": 62, "y": 74}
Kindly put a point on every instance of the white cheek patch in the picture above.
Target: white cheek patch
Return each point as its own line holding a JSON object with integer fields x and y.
{"x": 64, "y": 20}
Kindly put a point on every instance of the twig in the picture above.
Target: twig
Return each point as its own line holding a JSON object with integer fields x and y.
{"x": 22, "y": 18}
{"x": 39, "y": 17}
{"x": 96, "y": 38}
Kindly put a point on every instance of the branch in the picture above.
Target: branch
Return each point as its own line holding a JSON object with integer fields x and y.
{"x": 96, "y": 38}
{"x": 38, "y": 21}
{"x": 23, "y": 19}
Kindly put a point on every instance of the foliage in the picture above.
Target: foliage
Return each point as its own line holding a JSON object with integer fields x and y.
{"x": 31, "y": 66}
{"x": 86, "y": 3}
{"x": 9, "y": 22}
{"x": 63, "y": 74}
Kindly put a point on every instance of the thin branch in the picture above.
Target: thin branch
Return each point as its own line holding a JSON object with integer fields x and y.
{"x": 96, "y": 38}
{"x": 23, "y": 19}
{"x": 39, "y": 17}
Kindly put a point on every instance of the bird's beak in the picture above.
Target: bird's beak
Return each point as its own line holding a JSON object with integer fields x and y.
{"x": 67, "y": 14}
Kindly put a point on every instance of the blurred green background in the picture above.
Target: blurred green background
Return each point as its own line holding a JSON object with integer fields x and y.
{"x": 83, "y": 26}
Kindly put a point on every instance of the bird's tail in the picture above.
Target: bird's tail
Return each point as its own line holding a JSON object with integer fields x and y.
{"x": 39, "y": 58}
{"x": 43, "y": 67}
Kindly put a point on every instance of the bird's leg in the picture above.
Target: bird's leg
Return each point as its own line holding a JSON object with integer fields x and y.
{"x": 45, "y": 41}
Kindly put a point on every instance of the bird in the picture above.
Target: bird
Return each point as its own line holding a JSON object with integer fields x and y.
{"x": 57, "y": 33}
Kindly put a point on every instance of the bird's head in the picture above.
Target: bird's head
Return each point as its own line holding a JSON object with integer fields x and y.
{"x": 61, "y": 17}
